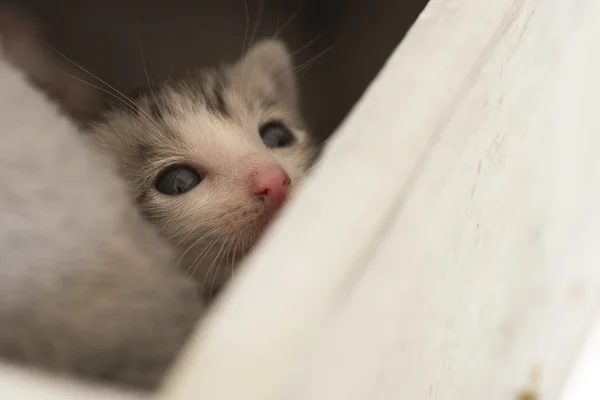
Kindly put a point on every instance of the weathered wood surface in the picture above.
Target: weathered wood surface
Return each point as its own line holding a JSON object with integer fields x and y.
{"x": 446, "y": 246}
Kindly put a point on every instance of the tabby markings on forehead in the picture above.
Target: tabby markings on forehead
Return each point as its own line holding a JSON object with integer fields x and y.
{"x": 212, "y": 89}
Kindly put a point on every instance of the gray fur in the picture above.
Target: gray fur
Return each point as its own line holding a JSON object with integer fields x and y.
{"x": 87, "y": 287}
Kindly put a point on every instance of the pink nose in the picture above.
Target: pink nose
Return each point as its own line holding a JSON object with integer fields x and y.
{"x": 271, "y": 184}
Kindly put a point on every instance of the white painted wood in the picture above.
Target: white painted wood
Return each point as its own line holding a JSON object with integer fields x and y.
{"x": 583, "y": 56}
{"x": 444, "y": 247}
{"x": 583, "y": 383}
{"x": 17, "y": 383}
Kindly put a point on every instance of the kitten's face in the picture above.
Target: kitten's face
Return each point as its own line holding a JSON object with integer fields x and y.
{"x": 211, "y": 158}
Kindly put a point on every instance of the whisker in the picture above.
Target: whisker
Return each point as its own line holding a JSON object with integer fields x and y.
{"x": 234, "y": 250}
{"x": 246, "y": 28}
{"x": 105, "y": 91}
{"x": 257, "y": 23}
{"x": 226, "y": 253}
{"x": 313, "y": 60}
{"x": 216, "y": 264}
{"x": 290, "y": 19}
{"x": 310, "y": 43}
{"x": 307, "y": 64}
{"x": 235, "y": 243}
{"x": 243, "y": 246}
{"x": 144, "y": 64}
{"x": 202, "y": 237}
{"x": 202, "y": 255}
{"x": 212, "y": 266}
{"x": 98, "y": 88}
{"x": 140, "y": 109}
{"x": 278, "y": 20}
{"x": 224, "y": 257}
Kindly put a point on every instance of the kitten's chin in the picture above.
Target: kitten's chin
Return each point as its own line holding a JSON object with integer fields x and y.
{"x": 212, "y": 265}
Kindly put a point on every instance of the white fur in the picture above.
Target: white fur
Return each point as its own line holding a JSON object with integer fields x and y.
{"x": 86, "y": 285}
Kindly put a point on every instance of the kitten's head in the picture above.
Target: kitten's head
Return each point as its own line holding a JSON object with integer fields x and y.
{"x": 212, "y": 156}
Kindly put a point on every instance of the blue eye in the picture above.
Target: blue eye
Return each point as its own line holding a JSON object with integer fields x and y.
{"x": 275, "y": 135}
{"x": 177, "y": 180}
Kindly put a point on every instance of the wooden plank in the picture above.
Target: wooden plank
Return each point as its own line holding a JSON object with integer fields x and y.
{"x": 419, "y": 114}
{"x": 583, "y": 383}
{"x": 17, "y": 383}
{"x": 486, "y": 283}
{"x": 583, "y": 60}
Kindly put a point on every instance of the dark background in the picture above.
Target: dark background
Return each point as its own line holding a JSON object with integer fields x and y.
{"x": 354, "y": 38}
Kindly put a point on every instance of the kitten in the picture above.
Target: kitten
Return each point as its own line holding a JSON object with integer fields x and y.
{"x": 211, "y": 156}
{"x": 87, "y": 286}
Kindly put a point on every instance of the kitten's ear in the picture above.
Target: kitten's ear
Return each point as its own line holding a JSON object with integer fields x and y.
{"x": 271, "y": 58}
{"x": 24, "y": 44}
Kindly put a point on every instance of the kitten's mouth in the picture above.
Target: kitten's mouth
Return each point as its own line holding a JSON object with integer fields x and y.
{"x": 210, "y": 288}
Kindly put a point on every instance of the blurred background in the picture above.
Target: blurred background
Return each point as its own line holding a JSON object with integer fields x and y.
{"x": 339, "y": 46}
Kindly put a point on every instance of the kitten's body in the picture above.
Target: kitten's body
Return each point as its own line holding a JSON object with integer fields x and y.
{"x": 210, "y": 120}
{"x": 86, "y": 285}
